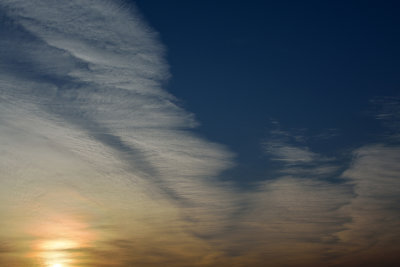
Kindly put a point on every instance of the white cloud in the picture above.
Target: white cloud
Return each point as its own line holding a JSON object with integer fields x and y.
{"x": 293, "y": 222}
{"x": 109, "y": 68}
{"x": 290, "y": 154}
{"x": 90, "y": 137}
{"x": 350, "y": 222}
{"x": 374, "y": 227}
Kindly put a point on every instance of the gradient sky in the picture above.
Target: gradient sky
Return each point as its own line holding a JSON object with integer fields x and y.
{"x": 199, "y": 133}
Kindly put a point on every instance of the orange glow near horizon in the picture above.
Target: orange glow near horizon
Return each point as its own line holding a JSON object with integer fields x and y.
{"x": 58, "y": 241}
{"x": 56, "y": 253}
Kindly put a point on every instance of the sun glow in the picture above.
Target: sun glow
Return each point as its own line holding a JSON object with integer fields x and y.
{"x": 61, "y": 240}
{"x": 60, "y": 244}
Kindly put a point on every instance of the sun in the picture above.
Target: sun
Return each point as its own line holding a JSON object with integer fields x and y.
{"x": 57, "y": 265}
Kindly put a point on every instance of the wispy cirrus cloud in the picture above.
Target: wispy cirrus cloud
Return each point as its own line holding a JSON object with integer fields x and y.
{"x": 100, "y": 167}
{"x": 294, "y": 157}
{"x": 372, "y": 234}
{"x": 91, "y": 141}
{"x": 339, "y": 212}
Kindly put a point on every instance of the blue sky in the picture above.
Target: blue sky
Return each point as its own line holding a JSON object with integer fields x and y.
{"x": 312, "y": 65}
{"x": 199, "y": 133}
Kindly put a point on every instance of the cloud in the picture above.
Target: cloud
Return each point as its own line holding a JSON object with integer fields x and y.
{"x": 322, "y": 209}
{"x": 290, "y": 154}
{"x": 91, "y": 141}
{"x": 294, "y": 157}
{"x": 372, "y": 235}
{"x": 387, "y": 111}
{"x": 293, "y": 222}
{"x": 100, "y": 166}
{"x": 95, "y": 68}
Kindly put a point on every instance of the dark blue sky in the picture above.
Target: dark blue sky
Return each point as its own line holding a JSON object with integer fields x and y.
{"x": 310, "y": 65}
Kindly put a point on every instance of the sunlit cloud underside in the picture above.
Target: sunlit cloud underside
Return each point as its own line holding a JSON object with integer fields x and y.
{"x": 100, "y": 167}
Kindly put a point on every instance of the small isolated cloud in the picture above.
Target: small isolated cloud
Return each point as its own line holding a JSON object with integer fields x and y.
{"x": 296, "y": 158}
{"x": 387, "y": 111}
{"x": 288, "y": 154}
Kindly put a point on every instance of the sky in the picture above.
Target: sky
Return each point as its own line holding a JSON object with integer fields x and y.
{"x": 199, "y": 133}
